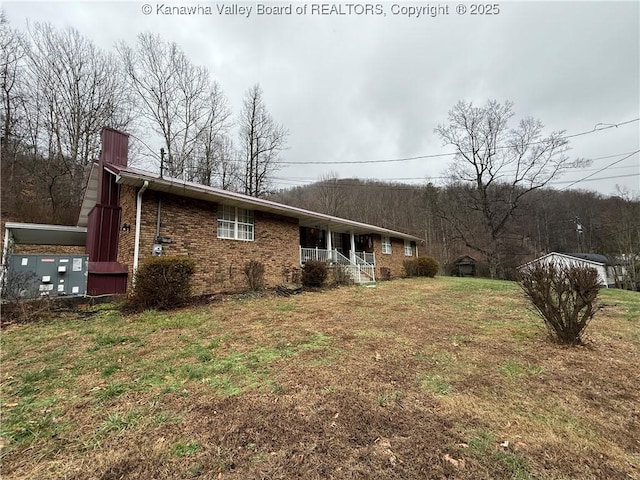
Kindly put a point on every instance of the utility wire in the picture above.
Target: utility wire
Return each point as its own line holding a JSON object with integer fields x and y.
{"x": 382, "y": 184}
{"x": 440, "y": 155}
{"x": 602, "y": 169}
{"x": 441, "y": 177}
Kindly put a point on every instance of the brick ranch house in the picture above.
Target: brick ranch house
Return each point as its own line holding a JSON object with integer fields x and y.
{"x": 131, "y": 215}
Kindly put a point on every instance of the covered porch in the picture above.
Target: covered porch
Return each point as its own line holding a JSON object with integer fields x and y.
{"x": 339, "y": 249}
{"x": 326, "y": 245}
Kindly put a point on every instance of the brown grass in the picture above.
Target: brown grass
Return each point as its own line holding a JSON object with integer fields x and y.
{"x": 420, "y": 378}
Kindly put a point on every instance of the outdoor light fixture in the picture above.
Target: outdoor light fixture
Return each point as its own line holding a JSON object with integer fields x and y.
{"x": 126, "y": 227}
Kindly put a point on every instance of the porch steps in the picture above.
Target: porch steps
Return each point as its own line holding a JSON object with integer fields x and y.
{"x": 359, "y": 269}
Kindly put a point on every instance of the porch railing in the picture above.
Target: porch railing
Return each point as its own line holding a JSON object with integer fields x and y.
{"x": 317, "y": 255}
{"x": 360, "y": 270}
{"x": 365, "y": 258}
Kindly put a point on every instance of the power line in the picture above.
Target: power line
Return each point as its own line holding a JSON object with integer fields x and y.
{"x": 382, "y": 184}
{"x": 595, "y": 179}
{"x": 440, "y": 155}
{"x": 602, "y": 169}
{"x": 441, "y": 177}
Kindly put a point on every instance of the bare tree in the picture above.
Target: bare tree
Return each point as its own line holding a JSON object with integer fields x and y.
{"x": 227, "y": 165}
{"x": 331, "y": 195}
{"x": 179, "y": 101}
{"x": 69, "y": 89}
{"x": 495, "y": 167}
{"x": 11, "y": 46}
{"x": 13, "y": 95}
{"x": 213, "y": 153}
{"x": 622, "y": 237}
{"x": 261, "y": 141}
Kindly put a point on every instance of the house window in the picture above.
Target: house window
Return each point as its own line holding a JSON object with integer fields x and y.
{"x": 386, "y": 245}
{"x": 235, "y": 223}
{"x": 408, "y": 251}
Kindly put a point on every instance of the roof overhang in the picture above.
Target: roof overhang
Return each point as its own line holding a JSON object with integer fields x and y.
{"x": 90, "y": 196}
{"x": 41, "y": 234}
{"x": 306, "y": 218}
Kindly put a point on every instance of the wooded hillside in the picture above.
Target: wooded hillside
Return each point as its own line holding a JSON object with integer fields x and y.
{"x": 548, "y": 220}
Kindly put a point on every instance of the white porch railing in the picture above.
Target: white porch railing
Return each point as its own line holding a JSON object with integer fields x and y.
{"x": 361, "y": 273}
{"x": 360, "y": 270}
{"x": 317, "y": 255}
{"x": 365, "y": 258}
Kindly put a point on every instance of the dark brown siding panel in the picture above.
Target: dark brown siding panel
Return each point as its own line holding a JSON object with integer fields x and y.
{"x": 115, "y": 146}
{"x": 102, "y": 233}
{"x": 107, "y": 278}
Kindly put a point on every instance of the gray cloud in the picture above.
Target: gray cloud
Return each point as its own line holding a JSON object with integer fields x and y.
{"x": 359, "y": 88}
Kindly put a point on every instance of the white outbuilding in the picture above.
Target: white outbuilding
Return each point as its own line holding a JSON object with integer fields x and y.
{"x": 593, "y": 260}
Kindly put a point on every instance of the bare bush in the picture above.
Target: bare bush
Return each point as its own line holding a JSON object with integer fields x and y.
{"x": 342, "y": 275}
{"x": 564, "y": 296}
{"x": 20, "y": 301}
{"x": 162, "y": 283}
{"x": 421, "y": 267}
{"x": 254, "y": 273}
{"x": 314, "y": 274}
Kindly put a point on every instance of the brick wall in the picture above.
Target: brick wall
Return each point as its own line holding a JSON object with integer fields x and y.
{"x": 192, "y": 227}
{"x": 394, "y": 260}
{"x": 49, "y": 249}
{"x": 127, "y": 238}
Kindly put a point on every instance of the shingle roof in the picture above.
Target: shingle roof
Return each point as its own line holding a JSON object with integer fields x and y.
{"x": 592, "y": 257}
{"x": 307, "y": 218}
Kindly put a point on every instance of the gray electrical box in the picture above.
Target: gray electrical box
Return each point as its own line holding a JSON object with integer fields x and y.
{"x": 32, "y": 276}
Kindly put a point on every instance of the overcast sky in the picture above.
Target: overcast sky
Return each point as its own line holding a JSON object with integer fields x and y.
{"x": 355, "y": 88}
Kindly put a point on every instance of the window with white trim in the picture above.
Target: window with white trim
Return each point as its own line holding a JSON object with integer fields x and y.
{"x": 408, "y": 250}
{"x": 386, "y": 245}
{"x": 235, "y": 223}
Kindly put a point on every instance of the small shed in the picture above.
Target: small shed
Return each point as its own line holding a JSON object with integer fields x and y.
{"x": 464, "y": 266}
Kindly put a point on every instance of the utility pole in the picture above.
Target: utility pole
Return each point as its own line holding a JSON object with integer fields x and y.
{"x": 578, "y": 234}
{"x": 161, "y": 161}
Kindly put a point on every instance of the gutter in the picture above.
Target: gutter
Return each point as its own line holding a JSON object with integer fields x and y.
{"x": 130, "y": 176}
{"x": 136, "y": 248}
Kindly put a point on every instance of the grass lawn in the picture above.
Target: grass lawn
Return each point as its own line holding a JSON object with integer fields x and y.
{"x": 416, "y": 378}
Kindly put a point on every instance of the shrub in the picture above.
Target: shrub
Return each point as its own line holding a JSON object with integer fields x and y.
{"x": 427, "y": 267}
{"x": 254, "y": 272}
{"x": 421, "y": 267}
{"x": 342, "y": 276}
{"x": 385, "y": 274}
{"x": 19, "y": 285}
{"x": 564, "y": 296}
{"x": 314, "y": 273}
{"x": 20, "y": 302}
{"x": 162, "y": 283}
{"x": 411, "y": 267}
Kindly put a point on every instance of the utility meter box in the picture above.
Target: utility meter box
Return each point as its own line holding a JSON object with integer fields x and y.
{"x": 32, "y": 276}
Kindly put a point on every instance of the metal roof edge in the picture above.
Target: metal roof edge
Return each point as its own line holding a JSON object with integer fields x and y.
{"x": 124, "y": 173}
{"x": 44, "y": 226}
{"x": 562, "y": 255}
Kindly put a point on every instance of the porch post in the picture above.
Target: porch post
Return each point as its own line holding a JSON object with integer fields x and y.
{"x": 329, "y": 246}
{"x": 352, "y": 253}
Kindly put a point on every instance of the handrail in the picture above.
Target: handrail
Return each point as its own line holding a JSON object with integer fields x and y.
{"x": 360, "y": 270}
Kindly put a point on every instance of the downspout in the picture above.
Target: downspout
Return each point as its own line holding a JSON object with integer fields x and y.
{"x": 158, "y": 218}
{"x": 5, "y": 254}
{"x": 136, "y": 247}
